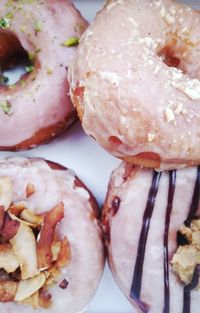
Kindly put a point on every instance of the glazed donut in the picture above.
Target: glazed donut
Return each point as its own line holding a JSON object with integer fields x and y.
{"x": 135, "y": 82}
{"x": 37, "y": 107}
{"x": 47, "y": 259}
{"x": 143, "y": 213}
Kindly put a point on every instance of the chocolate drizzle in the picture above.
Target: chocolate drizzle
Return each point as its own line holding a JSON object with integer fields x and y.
{"x": 171, "y": 190}
{"x": 193, "y": 211}
{"x": 138, "y": 270}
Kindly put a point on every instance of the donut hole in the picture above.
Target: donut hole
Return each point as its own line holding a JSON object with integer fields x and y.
{"x": 15, "y": 63}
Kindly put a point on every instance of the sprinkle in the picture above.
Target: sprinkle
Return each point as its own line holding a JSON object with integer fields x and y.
{"x": 29, "y": 69}
{"x": 49, "y": 71}
{"x": 9, "y": 15}
{"x": 6, "y": 107}
{"x": 71, "y": 42}
{"x": 4, "y": 23}
{"x": 37, "y": 26}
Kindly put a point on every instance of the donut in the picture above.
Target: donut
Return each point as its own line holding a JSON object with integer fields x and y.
{"x": 135, "y": 81}
{"x": 37, "y": 107}
{"x": 51, "y": 248}
{"x": 150, "y": 220}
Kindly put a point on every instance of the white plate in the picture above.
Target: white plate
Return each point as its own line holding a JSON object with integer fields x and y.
{"x": 94, "y": 166}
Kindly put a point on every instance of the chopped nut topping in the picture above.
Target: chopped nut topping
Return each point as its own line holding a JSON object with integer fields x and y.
{"x": 187, "y": 257}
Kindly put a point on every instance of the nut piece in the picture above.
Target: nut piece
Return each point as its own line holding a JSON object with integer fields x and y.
{"x": 24, "y": 245}
{"x": 6, "y": 192}
{"x": 187, "y": 257}
{"x": 8, "y": 260}
{"x": 31, "y": 217}
{"x": 184, "y": 262}
{"x": 28, "y": 287}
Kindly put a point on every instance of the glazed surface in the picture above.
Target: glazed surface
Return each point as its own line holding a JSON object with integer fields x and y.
{"x": 40, "y": 100}
{"x": 138, "y": 91}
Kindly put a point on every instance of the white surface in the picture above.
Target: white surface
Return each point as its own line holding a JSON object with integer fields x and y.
{"x": 94, "y": 166}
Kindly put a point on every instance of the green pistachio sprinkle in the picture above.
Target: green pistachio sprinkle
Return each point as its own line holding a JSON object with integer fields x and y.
{"x": 4, "y": 23}
{"x": 71, "y": 42}
{"x": 9, "y": 15}
{"x": 37, "y": 26}
{"x": 6, "y": 107}
{"x": 49, "y": 71}
{"x": 29, "y": 69}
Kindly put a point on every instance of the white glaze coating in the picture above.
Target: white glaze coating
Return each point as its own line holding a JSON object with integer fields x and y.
{"x": 84, "y": 235}
{"x": 44, "y": 101}
{"x": 129, "y": 93}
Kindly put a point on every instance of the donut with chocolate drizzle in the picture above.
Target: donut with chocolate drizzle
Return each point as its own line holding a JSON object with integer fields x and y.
{"x": 143, "y": 250}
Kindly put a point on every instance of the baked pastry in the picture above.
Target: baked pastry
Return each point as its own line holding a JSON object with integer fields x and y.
{"x": 152, "y": 229}
{"x": 51, "y": 250}
{"x": 135, "y": 82}
{"x": 37, "y": 107}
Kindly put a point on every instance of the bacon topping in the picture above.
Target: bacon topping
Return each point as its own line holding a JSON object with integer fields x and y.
{"x": 44, "y": 251}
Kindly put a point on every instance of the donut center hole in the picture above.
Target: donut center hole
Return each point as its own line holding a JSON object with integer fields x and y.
{"x": 15, "y": 62}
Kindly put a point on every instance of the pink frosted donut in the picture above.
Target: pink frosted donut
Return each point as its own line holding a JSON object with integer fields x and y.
{"x": 51, "y": 249}
{"x": 37, "y": 108}
{"x": 142, "y": 214}
{"x": 135, "y": 82}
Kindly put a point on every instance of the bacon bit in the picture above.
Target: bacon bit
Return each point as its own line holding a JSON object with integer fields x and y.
{"x": 64, "y": 255}
{"x": 2, "y": 216}
{"x": 45, "y": 300}
{"x": 51, "y": 219}
{"x": 54, "y": 274}
{"x": 9, "y": 229}
{"x": 17, "y": 208}
{"x": 64, "y": 283}
{"x": 30, "y": 189}
{"x": 55, "y": 248}
{"x": 7, "y": 291}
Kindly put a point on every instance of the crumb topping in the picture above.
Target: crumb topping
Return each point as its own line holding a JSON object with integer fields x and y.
{"x": 187, "y": 256}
